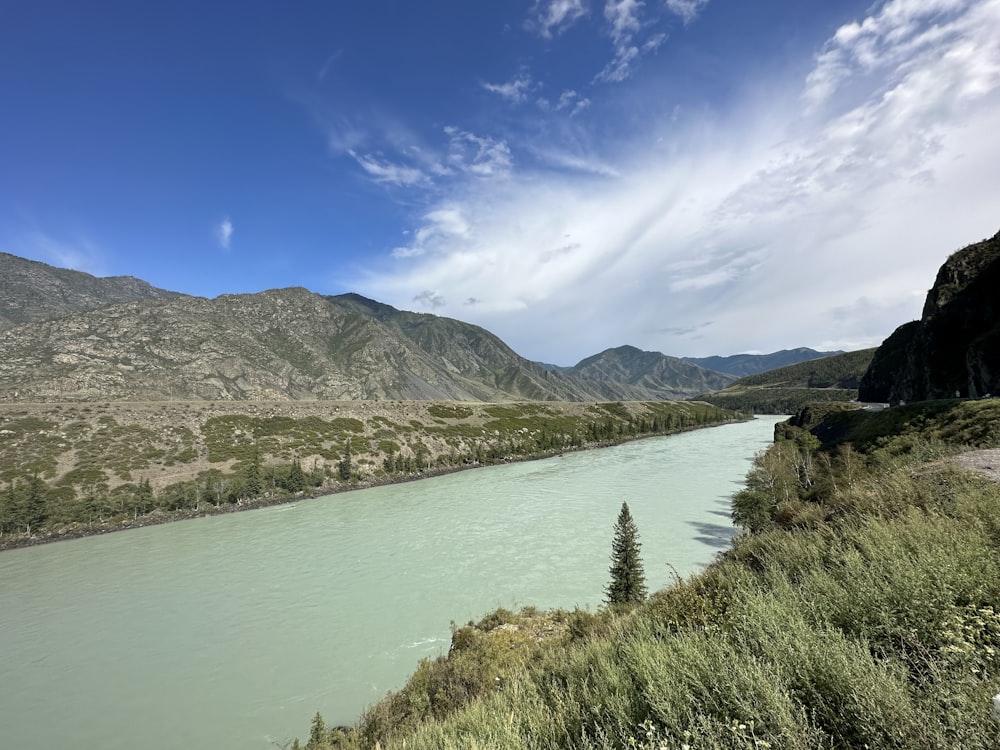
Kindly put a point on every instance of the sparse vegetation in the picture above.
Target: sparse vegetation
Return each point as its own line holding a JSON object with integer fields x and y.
{"x": 67, "y": 470}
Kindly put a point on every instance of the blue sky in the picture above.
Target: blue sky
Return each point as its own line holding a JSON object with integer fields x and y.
{"x": 688, "y": 176}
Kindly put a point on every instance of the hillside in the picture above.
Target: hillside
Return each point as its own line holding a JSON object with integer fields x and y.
{"x": 787, "y": 389}
{"x": 31, "y": 291}
{"x": 280, "y": 344}
{"x": 741, "y": 365}
{"x": 954, "y": 349}
{"x": 644, "y": 375}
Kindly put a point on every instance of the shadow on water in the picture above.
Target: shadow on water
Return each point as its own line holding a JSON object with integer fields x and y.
{"x": 714, "y": 535}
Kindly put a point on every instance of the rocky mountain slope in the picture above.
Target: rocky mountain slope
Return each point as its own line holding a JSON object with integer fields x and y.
{"x": 742, "y": 365}
{"x": 645, "y": 375}
{"x": 955, "y": 346}
{"x": 279, "y": 344}
{"x": 31, "y": 291}
{"x": 66, "y": 339}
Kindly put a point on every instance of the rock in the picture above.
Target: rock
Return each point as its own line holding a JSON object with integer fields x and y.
{"x": 955, "y": 346}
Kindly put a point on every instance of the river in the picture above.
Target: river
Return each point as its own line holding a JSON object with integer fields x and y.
{"x": 230, "y": 632}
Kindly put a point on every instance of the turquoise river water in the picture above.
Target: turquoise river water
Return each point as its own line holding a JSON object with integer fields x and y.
{"x": 229, "y": 633}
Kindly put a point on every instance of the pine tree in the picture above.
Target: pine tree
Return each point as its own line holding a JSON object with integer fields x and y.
{"x": 628, "y": 580}
{"x": 253, "y": 485}
{"x": 296, "y": 477}
{"x": 316, "y": 733}
{"x": 344, "y": 468}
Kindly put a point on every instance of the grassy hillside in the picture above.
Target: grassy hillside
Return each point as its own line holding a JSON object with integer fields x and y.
{"x": 72, "y": 469}
{"x": 858, "y": 610}
{"x": 787, "y": 389}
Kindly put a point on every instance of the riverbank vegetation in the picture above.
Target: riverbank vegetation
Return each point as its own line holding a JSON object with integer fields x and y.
{"x": 75, "y": 469}
{"x": 858, "y": 609}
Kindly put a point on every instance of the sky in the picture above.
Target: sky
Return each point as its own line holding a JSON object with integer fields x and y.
{"x": 694, "y": 177}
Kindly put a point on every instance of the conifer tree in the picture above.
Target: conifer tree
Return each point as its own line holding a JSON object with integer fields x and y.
{"x": 296, "y": 477}
{"x": 344, "y": 468}
{"x": 253, "y": 484}
{"x": 628, "y": 580}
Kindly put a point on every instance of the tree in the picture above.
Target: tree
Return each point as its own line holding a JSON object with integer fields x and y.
{"x": 628, "y": 580}
{"x": 253, "y": 485}
{"x": 296, "y": 477}
{"x": 344, "y": 467}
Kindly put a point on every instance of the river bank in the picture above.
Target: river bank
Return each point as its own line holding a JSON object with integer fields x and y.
{"x": 119, "y": 466}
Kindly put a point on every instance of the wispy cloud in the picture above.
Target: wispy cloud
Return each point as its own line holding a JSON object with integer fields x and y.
{"x": 552, "y": 17}
{"x": 440, "y": 225}
{"x": 429, "y": 298}
{"x": 902, "y": 30}
{"x": 572, "y": 102}
{"x": 738, "y": 221}
{"x": 478, "y": 155}
{"x": 624, "y": 18}
{"x": 686, "y": 9}
{"x": 328, "y": 65}
{"x": 387, "y": 172}
{"x": 515, "y": 90}
{"x": 224, "y": 233}
{"x": 79, "y": 254}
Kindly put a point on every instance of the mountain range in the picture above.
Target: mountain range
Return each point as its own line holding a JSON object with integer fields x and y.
{"x": 742, "y": 365}
{"x": 67, "y": 336}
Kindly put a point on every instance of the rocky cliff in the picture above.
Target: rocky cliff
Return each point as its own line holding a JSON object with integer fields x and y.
{"x": 955, "y": 346}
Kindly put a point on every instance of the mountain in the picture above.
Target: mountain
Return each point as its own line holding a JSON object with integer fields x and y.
{"x": 955, "y": 346}
{"x": 67, "y": 335}
{"x": 843, "y": 370}
{"x": 742, "y": 365}
{"x": 32, "y": 291}
{"x": 642, "y": 375}
{"x": 280, "y": 344}
{"x": 785, "y": 390}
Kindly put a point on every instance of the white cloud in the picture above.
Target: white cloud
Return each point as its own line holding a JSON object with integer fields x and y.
{"x": 224, "y": 233}
{"x": 443, "y": 224}
{"x": 572, "y": 102}
{"x": 552, "y": 17}
{"x": 625, "y": 24}
{"x": 686, "y": 9}
{"x": 623, "y": 15}
{"x": 515, "y": 90}
{"x": 775, "y": 227}
{"x": 478, "y": 155}
{"x": 891, "y": 39}
{"x": 429, "y": 298}
{"x": 389, "y": 173}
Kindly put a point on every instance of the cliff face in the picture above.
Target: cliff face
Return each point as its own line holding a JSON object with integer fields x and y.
{"x": 955, "y": 346}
